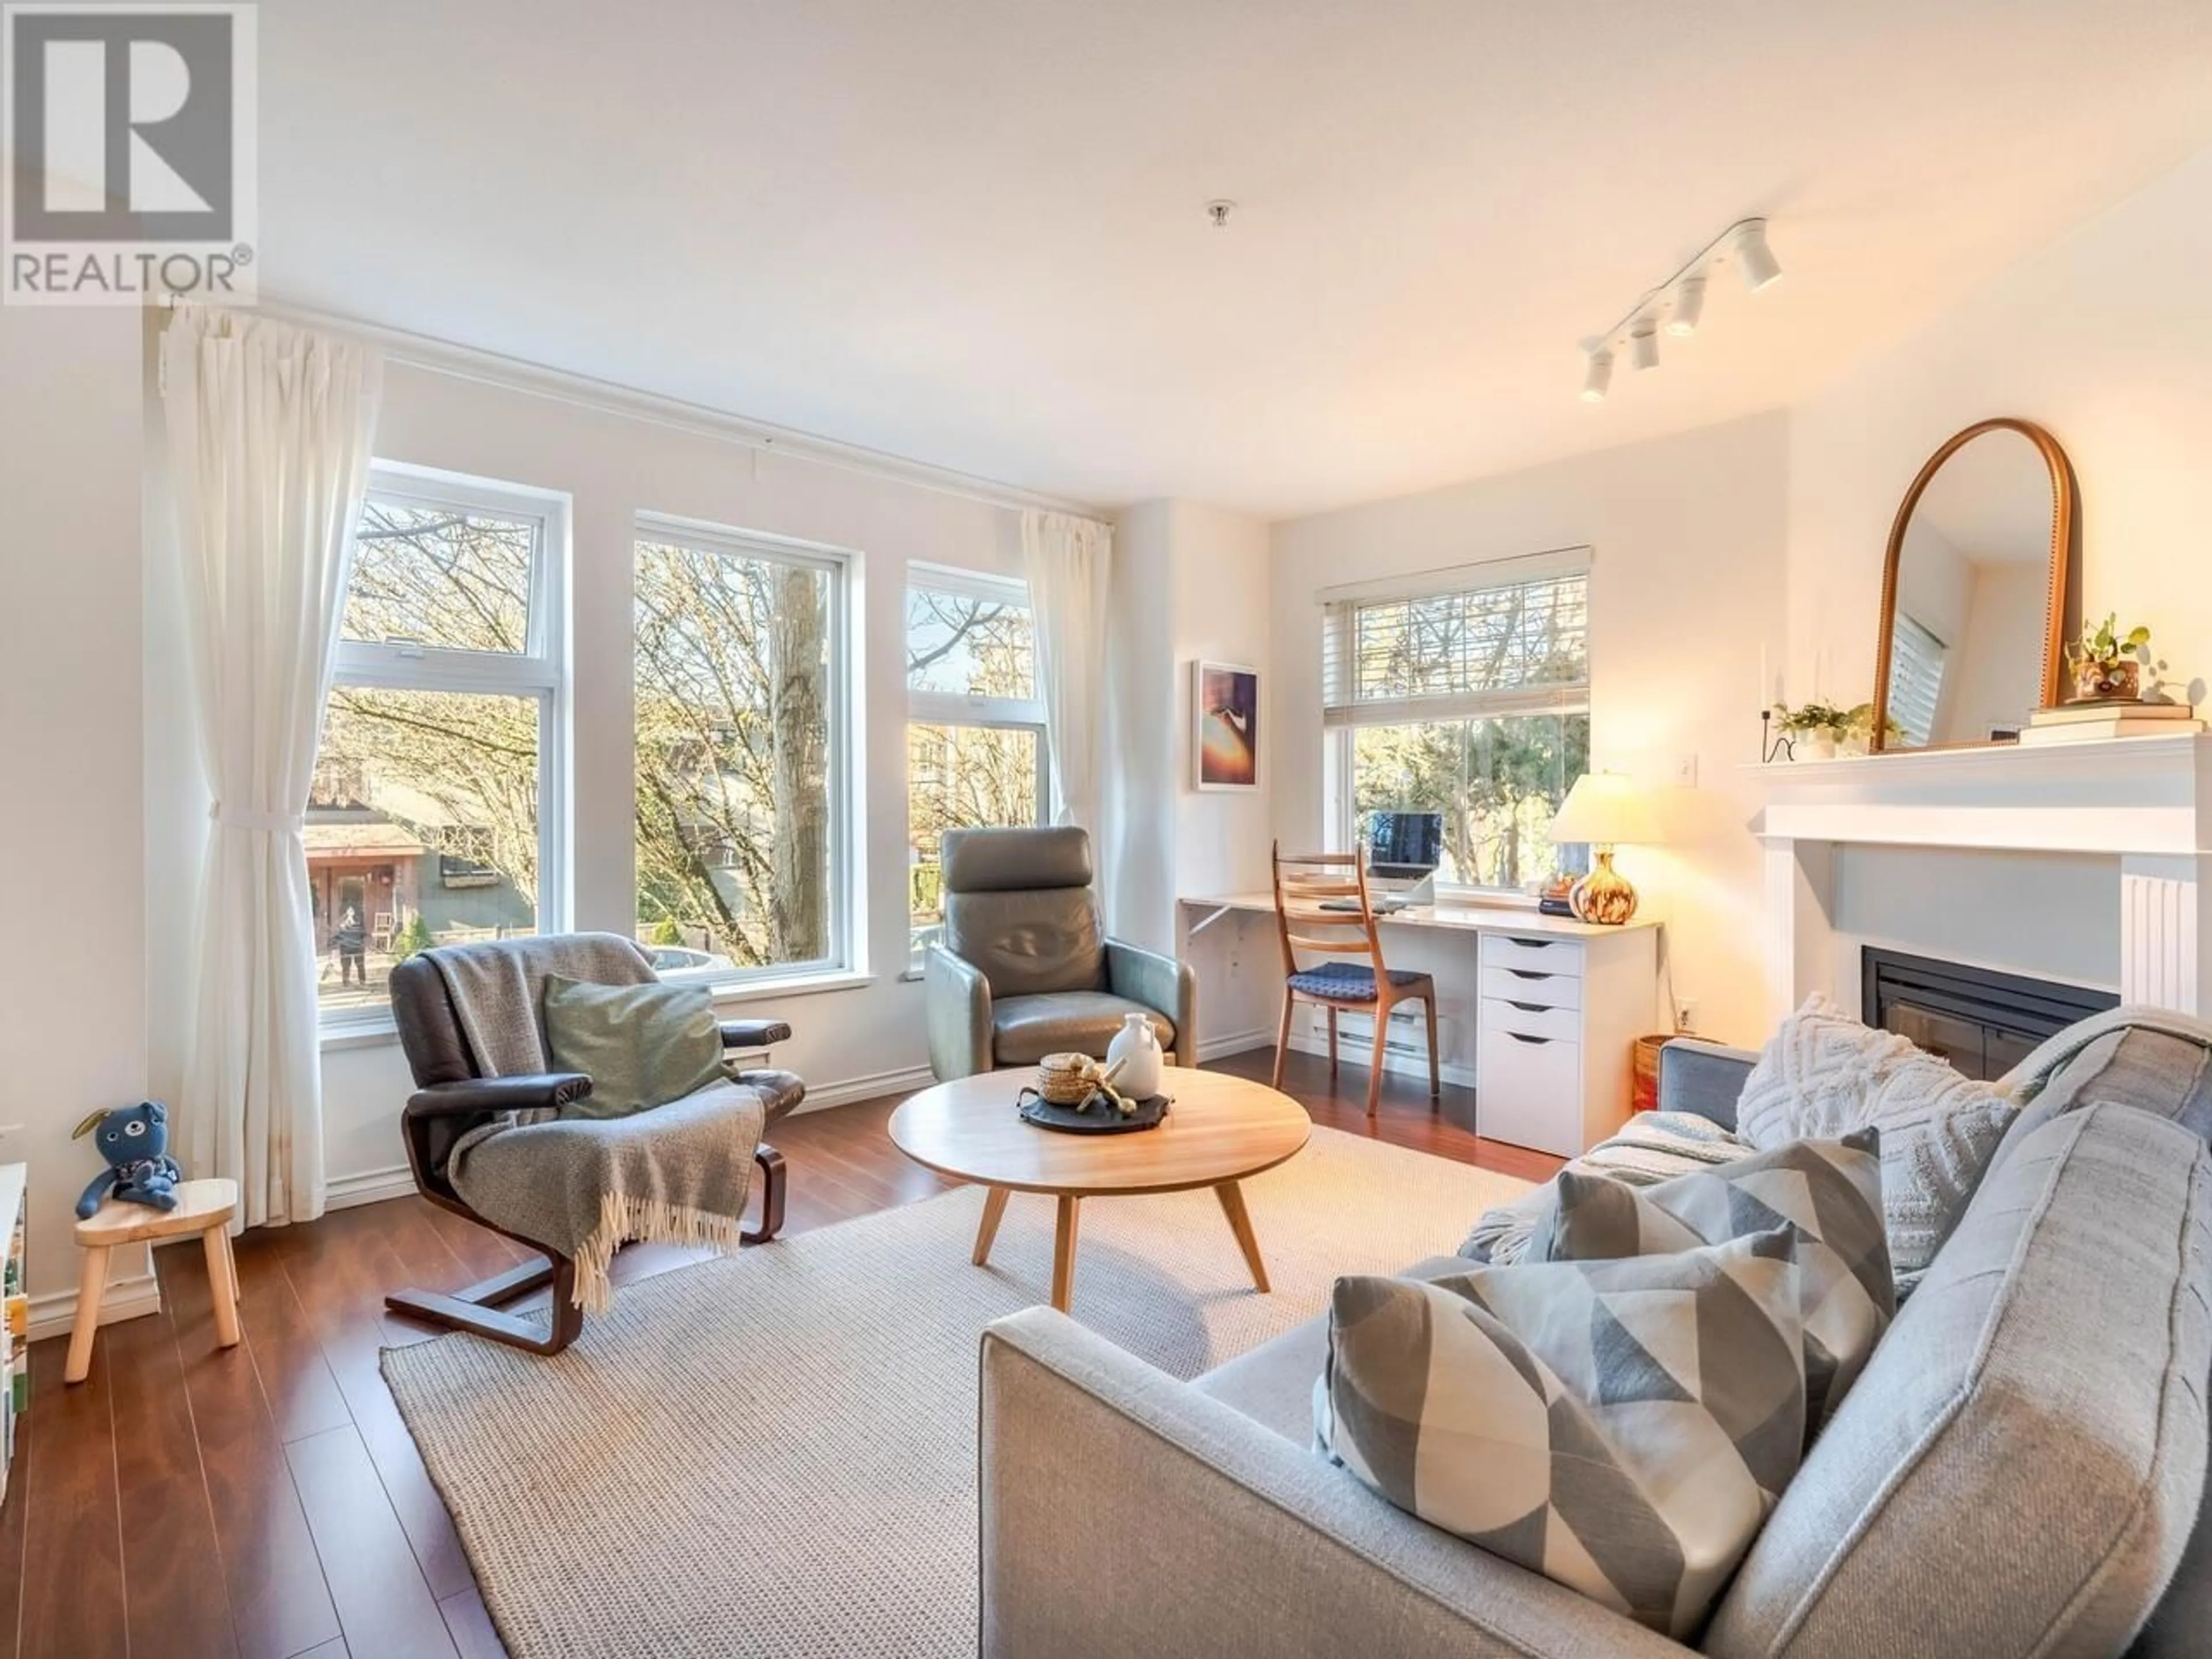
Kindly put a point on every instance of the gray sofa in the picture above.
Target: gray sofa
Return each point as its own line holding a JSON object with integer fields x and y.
{"x": 2019, "y": 1470}
{"x": 1026, "y": 968}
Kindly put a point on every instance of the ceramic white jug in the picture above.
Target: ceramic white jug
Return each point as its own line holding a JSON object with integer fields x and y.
{"x": 1136, "y": 1051}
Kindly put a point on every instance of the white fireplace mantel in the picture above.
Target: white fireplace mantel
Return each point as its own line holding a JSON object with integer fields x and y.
{"x": 2146, "y": 802}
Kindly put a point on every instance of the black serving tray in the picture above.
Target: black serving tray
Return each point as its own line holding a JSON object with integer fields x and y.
{"x": 1102, "y": 1118}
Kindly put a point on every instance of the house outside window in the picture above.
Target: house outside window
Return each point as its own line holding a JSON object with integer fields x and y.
{"x": 433, "y": 814}
{"x": 1467, "y": 693}
{"x": 977, "y": 755}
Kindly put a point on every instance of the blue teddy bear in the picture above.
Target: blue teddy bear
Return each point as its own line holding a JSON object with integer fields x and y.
{"x": 135, "y": 1141}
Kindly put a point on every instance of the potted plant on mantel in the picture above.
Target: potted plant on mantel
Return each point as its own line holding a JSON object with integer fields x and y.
{"x": 2107, "y": 665}
{"x": 1818, "y": 727}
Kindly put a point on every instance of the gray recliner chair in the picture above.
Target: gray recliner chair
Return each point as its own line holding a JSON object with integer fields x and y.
{"x": 1026, "y": 968}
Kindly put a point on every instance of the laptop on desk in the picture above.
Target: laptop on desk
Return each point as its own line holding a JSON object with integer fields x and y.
{"x": 1403, "y": 851}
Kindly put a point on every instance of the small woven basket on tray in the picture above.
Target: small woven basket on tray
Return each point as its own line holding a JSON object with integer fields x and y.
{"x": 1068, "y": 1080}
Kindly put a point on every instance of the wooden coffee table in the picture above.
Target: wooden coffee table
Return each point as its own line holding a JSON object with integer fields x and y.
{"x": 1222, "y": 1129}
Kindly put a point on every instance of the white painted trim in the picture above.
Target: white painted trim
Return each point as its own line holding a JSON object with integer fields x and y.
{"x": 54, "y": 1314}
{"x": 1235, "y": 1042}
{"x": 463, "y": 362}
{"x": 369, "y": 1187}
{"x": 910, "y": 1080}
{"x": 2126, "y": 795}
{"x": 2144, "y": 802}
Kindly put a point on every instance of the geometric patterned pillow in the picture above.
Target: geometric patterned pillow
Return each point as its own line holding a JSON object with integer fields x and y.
{"x": 1622, "y": 1427}
{"x": 1828, "y": 1191}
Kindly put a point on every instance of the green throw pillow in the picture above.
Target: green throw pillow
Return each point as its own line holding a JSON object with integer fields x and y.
{"x": 641, "y": 1045}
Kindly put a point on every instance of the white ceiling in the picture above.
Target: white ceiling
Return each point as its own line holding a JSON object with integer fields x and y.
{"x": 971, "y": 232}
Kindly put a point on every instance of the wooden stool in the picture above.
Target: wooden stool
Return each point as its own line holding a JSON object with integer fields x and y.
{"x": 204, "y": 1207}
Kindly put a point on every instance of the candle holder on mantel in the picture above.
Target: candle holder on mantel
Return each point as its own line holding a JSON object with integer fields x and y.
{"x": 1773, "y": 746}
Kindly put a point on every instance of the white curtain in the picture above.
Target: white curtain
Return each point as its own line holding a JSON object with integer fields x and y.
{"x": 1066, "y": 560}
{"x": 269, "y": 429}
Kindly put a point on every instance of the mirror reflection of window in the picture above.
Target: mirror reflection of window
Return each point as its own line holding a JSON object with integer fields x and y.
{"x": 1915, "y": 680}
{"x": 1966, "y": 653}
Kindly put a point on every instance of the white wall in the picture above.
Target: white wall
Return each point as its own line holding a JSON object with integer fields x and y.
{"x": 72, "y": 992}
{"x": 1191, "y": 583}
{"x": 2104, "y": 338}
{"x": 1686, "y": 583}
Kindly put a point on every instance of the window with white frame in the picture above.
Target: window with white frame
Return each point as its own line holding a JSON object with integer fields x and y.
{"x": 1916, "y": 679}
{"x": 976, "y": 752}
{"x": 433, "y": 817}
{"x": 744, "y": 736}
{"x": 1464, "y": 692}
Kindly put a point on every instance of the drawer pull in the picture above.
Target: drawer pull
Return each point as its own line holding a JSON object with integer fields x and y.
{"x": 1528, "y": 1007}
{"x": 1534, "y": 944}
{"x": 1522, "y": 1036}
{"x": 1530, "y": 973}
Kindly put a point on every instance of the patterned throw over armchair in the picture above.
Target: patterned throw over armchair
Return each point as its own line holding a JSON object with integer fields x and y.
{"x": 1026, "y": 968}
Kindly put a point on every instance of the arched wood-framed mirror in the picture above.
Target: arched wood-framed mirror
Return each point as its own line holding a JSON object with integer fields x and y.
{"x": 1978, "y": 588}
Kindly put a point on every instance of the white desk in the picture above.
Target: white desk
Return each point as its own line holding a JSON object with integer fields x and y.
{"x": 1557, "y": 1007}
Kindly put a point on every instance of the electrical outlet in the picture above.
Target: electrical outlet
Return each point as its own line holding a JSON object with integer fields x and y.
{"x": 1686, "y": 1015}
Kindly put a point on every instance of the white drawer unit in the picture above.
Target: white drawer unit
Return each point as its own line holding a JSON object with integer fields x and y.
{"x": 1531, "y": 1019}
{"x": 1555, "y": 1026}
{"x": 1530, "y": 1091}
{"x": 1528, "y": 985}
{"x": 1532, "y": 955}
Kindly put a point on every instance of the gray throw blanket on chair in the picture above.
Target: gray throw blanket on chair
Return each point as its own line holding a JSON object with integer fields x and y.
{"x": 677, "y": 1175}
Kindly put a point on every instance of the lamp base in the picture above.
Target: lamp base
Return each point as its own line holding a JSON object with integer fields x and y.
{"x": 1604, "y": 896}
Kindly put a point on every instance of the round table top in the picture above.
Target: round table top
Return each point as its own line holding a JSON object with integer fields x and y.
{"x": 1220, "y": 1128}
{"x": 207, "y": 1202}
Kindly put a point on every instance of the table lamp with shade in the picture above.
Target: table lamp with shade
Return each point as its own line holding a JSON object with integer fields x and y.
{"x": 1604, "y": 809}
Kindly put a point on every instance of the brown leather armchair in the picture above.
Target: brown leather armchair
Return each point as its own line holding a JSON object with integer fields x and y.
{"x": 452, "y": 1098}
{"x": 1026, "y": 968}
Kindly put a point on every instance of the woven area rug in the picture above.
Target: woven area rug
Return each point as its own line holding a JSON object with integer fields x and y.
{"x": 775, "y": 1453}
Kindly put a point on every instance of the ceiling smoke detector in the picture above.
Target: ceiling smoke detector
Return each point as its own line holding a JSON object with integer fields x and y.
{"x": 1219, "y": 210}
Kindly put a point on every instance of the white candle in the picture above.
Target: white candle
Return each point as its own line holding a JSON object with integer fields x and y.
{"x": 1764, "y": 701}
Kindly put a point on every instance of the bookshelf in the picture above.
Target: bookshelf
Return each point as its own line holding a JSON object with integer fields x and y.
{"x": 15, "y": 1346}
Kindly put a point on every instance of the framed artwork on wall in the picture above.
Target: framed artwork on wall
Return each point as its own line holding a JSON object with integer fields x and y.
{"x": 1224, "y": 738}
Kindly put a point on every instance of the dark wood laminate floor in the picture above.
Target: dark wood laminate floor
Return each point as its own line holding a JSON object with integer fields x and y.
{"x": 266, "y": 1502}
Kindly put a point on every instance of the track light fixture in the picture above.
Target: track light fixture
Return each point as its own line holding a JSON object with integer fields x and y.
{"x": 1597, "y": 374}
{"x": 1753, "y": 259}
{"x": 1689, "y": 306}
{"x": 1643, "y": 342}
{"x": 1681, "y": 301}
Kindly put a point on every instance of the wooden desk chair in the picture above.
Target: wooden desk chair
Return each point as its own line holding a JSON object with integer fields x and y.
{"x": 1304, "y": 882}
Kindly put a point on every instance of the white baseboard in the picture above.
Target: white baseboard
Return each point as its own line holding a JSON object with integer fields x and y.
{"x": 1236, "y": 1043}
{"x": 909, "y": 1080}
{"x": 54, "y": 1314}
{"x": 369, "y": 1187}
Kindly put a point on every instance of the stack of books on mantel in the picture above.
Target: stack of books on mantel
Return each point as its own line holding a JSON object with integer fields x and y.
{"x": 2107, "y": 718}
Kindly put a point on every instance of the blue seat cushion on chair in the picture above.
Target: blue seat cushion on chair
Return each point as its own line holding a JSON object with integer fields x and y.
{"x": 1348, "y": 981}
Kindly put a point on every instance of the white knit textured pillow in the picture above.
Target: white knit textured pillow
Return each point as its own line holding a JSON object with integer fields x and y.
{"x": 1823, "y": 1074}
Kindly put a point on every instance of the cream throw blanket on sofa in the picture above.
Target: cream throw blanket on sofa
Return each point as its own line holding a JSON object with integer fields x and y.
{"x": 677, "y": 1175}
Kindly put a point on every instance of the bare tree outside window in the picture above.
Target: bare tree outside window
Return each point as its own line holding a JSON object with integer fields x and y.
{"x": 423, "y": 820}
{"x": 1473, "y": 702}
{"x": 975, "y": 745}
{"x": 733, "y": 691}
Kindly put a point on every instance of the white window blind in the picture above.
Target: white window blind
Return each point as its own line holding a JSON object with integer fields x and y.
{"x": 1481, "y": 645}
{"x": 1916, "y": 679}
